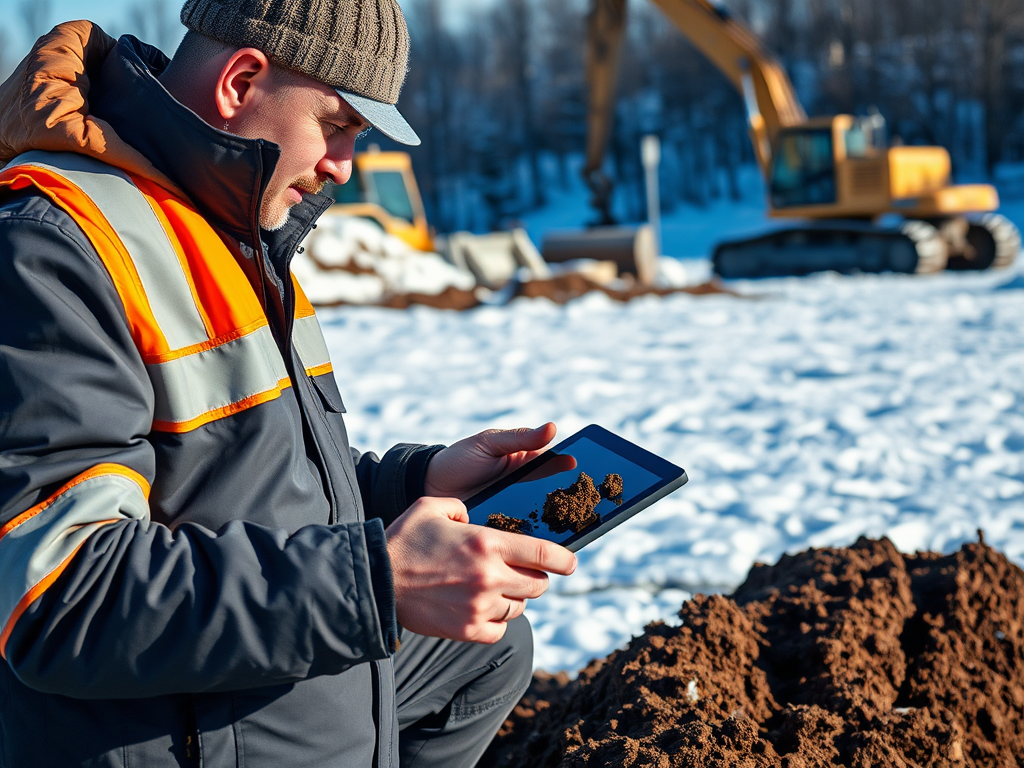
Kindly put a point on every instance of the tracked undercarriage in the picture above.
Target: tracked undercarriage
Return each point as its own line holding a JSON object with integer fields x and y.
{"x": 961, "y": 243}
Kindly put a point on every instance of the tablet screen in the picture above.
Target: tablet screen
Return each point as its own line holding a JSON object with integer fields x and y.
{"x": 569, "y": 491}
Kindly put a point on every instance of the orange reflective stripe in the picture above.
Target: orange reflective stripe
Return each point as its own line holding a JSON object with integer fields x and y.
{"x": 222, "y": 290}
{"x": 320, "y": 370}
{"x": 211, "y": 344}
{"x": 146, "y": 333}
{"x": 175, "y": 242}
{"x": 47, "y": 580}
{"x": 97, "y": 471}
{"x": 303, "y": 307}
{"x": 180, "y": 427}
{"x": 34, "y": 594}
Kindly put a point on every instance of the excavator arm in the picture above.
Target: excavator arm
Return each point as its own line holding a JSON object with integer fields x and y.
{"x": 606, "y": 27}
{"x": 770, "y": 99}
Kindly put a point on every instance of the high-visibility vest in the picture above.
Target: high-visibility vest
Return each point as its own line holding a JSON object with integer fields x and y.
{"x": 193, "y": 315}
{"x": 198, "y": 325}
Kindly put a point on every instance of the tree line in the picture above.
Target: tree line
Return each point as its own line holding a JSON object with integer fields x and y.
{"x": 498, "y": 92}
{"x": 498, "y": 89}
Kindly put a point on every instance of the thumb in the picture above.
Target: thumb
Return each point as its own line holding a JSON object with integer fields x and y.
{"x": 457, "y": 511}
{"x": 502, "y": 442}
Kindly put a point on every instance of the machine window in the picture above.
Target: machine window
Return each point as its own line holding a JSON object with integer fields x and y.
{"x": 349, "y": 192}
{"x": 387, "y": 188}
{"x": 804, "y": 169}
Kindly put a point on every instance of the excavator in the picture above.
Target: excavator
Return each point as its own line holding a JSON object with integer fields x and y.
{"x": 383, "y": 189}
{"x": 860, "y": 205}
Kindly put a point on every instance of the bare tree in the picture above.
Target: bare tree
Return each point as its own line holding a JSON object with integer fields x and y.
{"x": 995, "y": 22}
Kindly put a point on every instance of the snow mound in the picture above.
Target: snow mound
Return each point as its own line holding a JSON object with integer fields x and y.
{"x": 347, "y": 260}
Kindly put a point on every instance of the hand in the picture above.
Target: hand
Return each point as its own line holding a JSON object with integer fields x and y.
{"x": 461, "y": 581}
{"x": 465, "y": 467}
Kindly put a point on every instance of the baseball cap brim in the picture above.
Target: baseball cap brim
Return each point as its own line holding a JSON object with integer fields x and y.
{"x": 383, "y": 116}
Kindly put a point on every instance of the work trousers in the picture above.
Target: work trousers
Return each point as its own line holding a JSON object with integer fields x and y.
{"x": 452, "y": 697}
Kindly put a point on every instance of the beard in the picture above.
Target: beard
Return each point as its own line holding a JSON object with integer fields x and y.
{"x": 275, "y": 210}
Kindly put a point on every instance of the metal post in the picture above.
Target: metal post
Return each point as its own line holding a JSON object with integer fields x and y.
{"x": 650, "y": 153}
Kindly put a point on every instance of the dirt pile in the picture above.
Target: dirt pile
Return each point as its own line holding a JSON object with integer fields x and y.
{"x": 834, "y": 657}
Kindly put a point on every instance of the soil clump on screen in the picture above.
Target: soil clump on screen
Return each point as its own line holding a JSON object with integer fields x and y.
{"x": 572, "y": 507}
{"x": 611, "y": 488}
{"x": 510, "y": 524}
{"x": 859, "y": 656}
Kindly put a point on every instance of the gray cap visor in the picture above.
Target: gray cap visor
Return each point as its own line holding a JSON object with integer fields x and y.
{"x": 383, "y": 116}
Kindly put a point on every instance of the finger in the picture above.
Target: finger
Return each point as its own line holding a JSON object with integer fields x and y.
{"x": 513, "y": 609}
{"x": 561, "y": 462}
{"x": 454, "y": 509}
{"x": 538, "y": 554}
{"x": 529, "y": 585}
{"x": 502, "y": 442}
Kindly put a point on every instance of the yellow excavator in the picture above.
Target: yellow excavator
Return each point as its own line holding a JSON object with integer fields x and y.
{"x": 835, "y": 174}
{"x": 383, "y": 189}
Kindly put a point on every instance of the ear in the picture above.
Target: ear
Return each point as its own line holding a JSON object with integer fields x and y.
{"x": 241, "y": 79}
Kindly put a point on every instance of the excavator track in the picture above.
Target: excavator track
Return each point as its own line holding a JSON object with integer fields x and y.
{"x": 993, "y": 242}
{"x": 912, "y": 247}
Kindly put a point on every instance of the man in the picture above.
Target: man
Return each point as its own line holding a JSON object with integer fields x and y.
{"x": 195, "y": 568}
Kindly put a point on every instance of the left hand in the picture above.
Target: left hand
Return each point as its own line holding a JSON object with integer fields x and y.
{"x": 465, "y": 467}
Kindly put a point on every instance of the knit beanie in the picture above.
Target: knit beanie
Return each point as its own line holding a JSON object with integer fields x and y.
{"x": 359, "y": 47}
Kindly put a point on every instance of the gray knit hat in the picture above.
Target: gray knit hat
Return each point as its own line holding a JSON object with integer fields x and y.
{"x": 358, "y": 47}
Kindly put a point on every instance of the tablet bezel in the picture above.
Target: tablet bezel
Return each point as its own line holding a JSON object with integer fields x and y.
{"x": 670, "y": 477}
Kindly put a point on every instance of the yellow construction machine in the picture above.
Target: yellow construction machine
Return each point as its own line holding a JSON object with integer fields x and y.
{"x": 383, "y": 189}
{"x": 836, "y": 174}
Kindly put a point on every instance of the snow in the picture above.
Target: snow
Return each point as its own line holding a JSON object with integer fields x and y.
{"x": 354, "y": 261}
{"x": 808, "y": 412}
{"x": 812, "y": 412}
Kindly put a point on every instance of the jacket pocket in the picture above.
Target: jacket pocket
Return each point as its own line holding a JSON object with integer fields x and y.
{"x": 327, "y": 389}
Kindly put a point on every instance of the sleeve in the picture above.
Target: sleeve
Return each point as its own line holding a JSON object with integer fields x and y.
{"x": 96, "y": 600}
{"x": 390, "y": 485}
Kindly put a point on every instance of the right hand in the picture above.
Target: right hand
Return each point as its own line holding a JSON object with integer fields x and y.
{"x": 461, "y": 581}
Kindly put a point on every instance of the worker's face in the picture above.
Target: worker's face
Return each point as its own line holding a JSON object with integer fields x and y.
{"x": 314, "y": 127}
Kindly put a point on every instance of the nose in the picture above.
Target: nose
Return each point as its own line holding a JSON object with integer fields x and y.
{"x": 336, "y": 164}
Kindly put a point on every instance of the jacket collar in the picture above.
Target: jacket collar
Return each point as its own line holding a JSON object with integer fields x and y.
{"x": 79, "y": 90}
{"x": 223, "y": 175}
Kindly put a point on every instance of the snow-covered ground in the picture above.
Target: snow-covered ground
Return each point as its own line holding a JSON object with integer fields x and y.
{"x": 813, "y": 412}
{"x": 808, "y": 413}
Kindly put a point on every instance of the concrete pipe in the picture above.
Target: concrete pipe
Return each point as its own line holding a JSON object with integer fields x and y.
{"x": 633, "y": 249}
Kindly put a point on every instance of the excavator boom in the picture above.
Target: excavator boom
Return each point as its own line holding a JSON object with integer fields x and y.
{"x": 754, "y": 72}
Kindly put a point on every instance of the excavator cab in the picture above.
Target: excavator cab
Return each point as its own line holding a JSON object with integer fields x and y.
{"x": 383, "y": 189}
{"x": 830, "y": 161}
{"x": 804, "y": 168}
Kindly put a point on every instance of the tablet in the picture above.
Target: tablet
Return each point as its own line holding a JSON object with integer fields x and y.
{"x": 578, "y": 490}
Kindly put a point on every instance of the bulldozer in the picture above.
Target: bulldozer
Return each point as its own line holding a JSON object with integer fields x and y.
{"x": 859, "y": 205}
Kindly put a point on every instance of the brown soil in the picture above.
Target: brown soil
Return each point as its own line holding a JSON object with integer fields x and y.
{"x": 833, "y": 657}
{"x": 560, "y": 290}
{"x": 566, "y": 287}
{"x": 612, "y": 487}
{"x": 510, "y": 524}
{"x": 572, "y": 507}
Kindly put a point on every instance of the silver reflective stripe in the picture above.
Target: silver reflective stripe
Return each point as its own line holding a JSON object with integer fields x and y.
{"x": 192, "y": 386}
{"x": 144, "y": 237}
{"x": 309, "y": 343}
{"x": 33, "y": 550}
